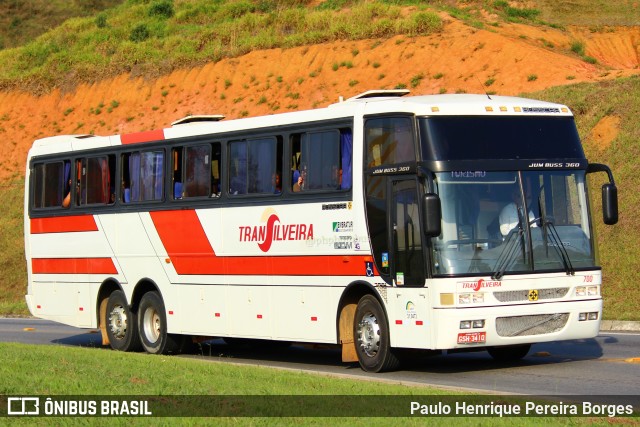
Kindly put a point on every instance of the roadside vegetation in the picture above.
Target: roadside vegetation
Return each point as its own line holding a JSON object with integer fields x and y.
{"x": 150, "y": 38}
{"x": 22, "y": 21}
{"x": 618, "y": 245}
{"x": 12, "y": 260}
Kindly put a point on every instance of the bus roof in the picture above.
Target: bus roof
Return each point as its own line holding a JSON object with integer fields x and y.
{"x": 370, "y": 102}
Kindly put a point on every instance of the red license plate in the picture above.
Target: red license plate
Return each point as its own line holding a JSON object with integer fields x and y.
{"x": 472, "y": 337}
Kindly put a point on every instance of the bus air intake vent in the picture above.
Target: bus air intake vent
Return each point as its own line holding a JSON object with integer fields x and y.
{"x": 515, "y": 296}
{"x": 382, "y": 93}
{"x": 537, "y": 324}
{"x": 198, "y": 119}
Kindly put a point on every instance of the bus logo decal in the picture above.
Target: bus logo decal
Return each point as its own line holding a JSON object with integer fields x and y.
{"x": 274, "y": 230}
{"x": 481, "y": 283}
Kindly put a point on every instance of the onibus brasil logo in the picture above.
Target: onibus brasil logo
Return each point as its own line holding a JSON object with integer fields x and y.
{"x": 272, "y": 230}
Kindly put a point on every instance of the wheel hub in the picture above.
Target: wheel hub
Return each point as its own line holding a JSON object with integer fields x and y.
{"x": 152, "y": 325}
{"x": 368, "y": 334}
{"x": 118, "y": 322}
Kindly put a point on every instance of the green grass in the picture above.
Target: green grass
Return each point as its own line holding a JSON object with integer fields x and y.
{"x": 597, "y": 14}
{"x": 58, "y": 370}
{"x": 12, "y": 260}
{"x": 22, "y": 21}
{"x": 197, "y": 32}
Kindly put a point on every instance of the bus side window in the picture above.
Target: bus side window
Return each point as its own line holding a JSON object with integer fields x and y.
{"x": 254, "y": 166}
{"x": 346, "y": 158}
{"x": 294, "y": 141}
{"x": 238, "y": 167}
{"x": 176, "y": 155}
{"x": 51, "y": 184}
{"x": 197, "y": 173}
{"x": 389, "y": 140}
{"x": 95, "y": 180}
{"x": 143, "y": 173}
{"x": 125, "y": 179}
{"x": 320, "y": 167}
{"x": 216, "y": 159}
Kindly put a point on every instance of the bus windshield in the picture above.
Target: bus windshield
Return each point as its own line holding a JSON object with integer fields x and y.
{"x": 495, "y": 223}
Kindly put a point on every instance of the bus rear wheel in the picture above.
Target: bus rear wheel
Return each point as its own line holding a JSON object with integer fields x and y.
{"x": 152, "y": 324}
{"x": 371, "y": 334}
{"x": 121, "y": 324}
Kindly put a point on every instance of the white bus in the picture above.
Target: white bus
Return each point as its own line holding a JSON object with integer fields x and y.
{"x": 380, "y": 223}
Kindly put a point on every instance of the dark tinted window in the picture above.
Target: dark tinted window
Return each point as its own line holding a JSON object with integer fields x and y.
{"x": 50, "y": 181}
{"x": 389, "y": 140}
{"x": 477, "y": 138}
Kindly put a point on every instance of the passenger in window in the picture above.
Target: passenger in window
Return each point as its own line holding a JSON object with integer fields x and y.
{"x": 301, "y": 184}
{"x": 276, "y": 183}
{"x": 126, "y": 192}
{"x": 336, "y": 178}
{"x": 215, "y": 188}
{"x": 66, "y": 202}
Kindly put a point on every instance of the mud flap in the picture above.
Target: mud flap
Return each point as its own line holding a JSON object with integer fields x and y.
{"x": 103, "y": 321}
{"x": 346, "y": 333}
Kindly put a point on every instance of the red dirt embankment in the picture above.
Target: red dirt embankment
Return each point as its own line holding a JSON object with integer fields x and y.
{"x": 508, "y": 60}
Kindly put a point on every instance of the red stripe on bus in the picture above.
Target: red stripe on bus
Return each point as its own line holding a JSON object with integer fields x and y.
{"x": 150, "y": 135}
{"x": 73, "y": 266}
{"x": 63, "y": 224}
{"x": 191, "y": 253}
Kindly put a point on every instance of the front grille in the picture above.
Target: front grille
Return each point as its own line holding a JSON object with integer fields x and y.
{"x": 537, "y": 324}
{"x": 514, "y": 296}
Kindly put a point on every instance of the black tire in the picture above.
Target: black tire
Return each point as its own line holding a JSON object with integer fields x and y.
{"x": 152, "y": 325}
{"x": 371, "y": 335}
{"x": 509, "y": 353}
{"x": 121, "y": 324}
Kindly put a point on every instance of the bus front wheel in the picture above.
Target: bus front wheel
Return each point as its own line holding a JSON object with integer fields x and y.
{"x": 371, "y": 333}
{"x": 121, "y": 324}
{"x": 152, "y": 324}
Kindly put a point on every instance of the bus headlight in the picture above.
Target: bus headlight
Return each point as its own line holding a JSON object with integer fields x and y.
{"x": 588, "y": 316}
{"x": 586, "y": 291}
{"x": 478, "y": 324}
{"x": 469, "y": 324}
{"x": 469, "y": 298}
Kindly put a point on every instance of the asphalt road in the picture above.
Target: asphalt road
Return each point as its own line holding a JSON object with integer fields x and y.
{"x": 607, "y": 366}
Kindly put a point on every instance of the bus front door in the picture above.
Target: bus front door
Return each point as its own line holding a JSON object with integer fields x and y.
{"x": 407, "y": 257}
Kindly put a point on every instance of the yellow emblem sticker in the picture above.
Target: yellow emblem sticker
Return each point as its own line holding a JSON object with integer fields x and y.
{"x": 533, "y": 295}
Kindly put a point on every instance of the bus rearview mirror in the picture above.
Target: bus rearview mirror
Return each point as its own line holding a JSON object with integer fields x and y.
{"x": 609, "y": 204}
{"x": 432, "y": 215}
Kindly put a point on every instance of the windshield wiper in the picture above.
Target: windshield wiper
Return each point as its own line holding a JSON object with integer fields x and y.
{"x": 509, "y": 250}
{"x": 556, "y": 242}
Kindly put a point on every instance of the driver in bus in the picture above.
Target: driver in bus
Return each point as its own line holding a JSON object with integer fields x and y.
{"x": 510, "y": 215}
